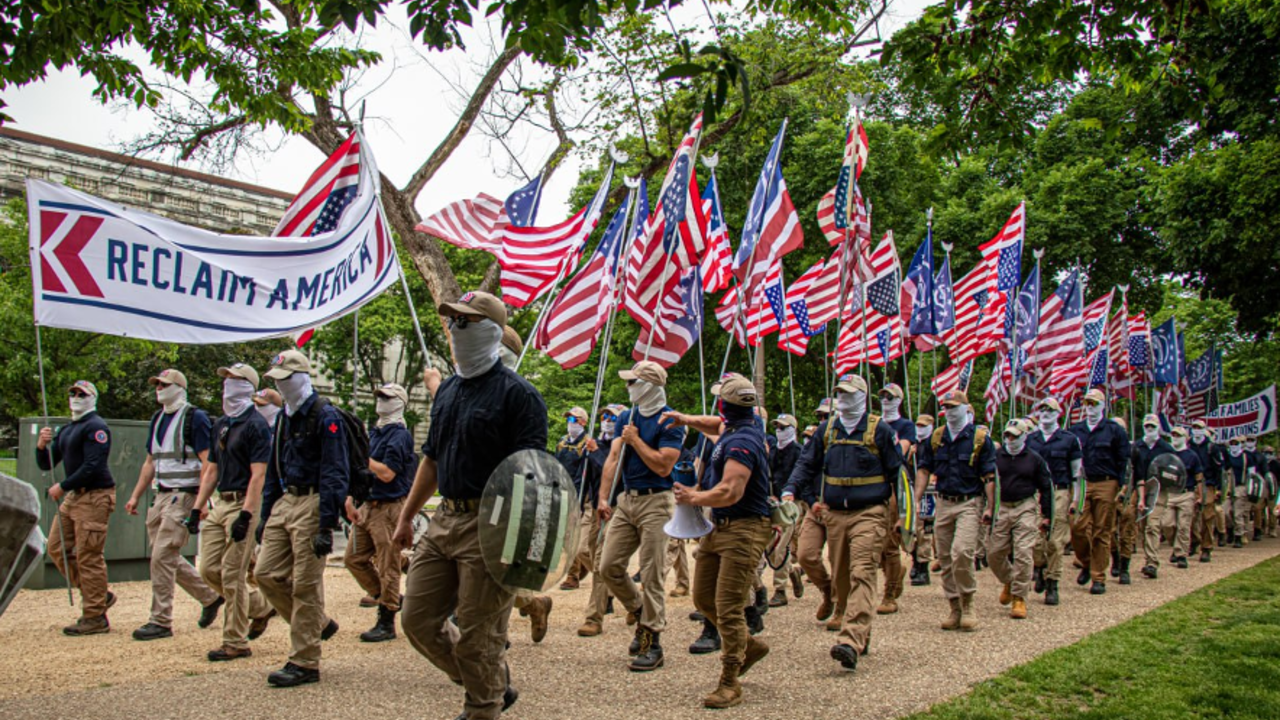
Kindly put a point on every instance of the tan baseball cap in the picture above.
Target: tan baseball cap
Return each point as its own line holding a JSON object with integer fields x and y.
{"x": 824, "y": 406}
{"x": 267, "y": 396}
{"x": 84, "y": 386}
{"x": 1095, "y": 395}
{"x": 850, "y": 382}
{"x": 925, "y": 420}
{"x": 242, "y": 371}
{"x": 1151, "y": 420}
{"x": 892, "y": 389}
{"x": 393, "y": 390}
{"x": 511, "y": 339}
{"x": 952, "y": 398}
{"x": 1180, "y": 431}
{"x": 1199, "y": 424}
{"x": 578, "y": 413}
{"x": 170, "y": 377}
{"x": 737, "y": 390}
{"x": 1015, "y": 428}
{"x": 477, "y": 304}
{"x": 648, "y": 371}
{"x": 788, "y": 420}
{"x": 1049, "y": 404}
{"x": 288, "y": 363}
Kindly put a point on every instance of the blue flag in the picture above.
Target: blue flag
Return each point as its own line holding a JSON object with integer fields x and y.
{"x": 920, "y": 274}
{"x": 944, "y": 299}
{"x": 1200, "y": 372}
{"x": 1028, "y": 308}
{"x": 1164, "y": 348}
{"x": 522, "y": 205}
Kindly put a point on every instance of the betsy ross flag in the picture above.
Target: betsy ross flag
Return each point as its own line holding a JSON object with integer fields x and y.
{"x": 1093, "y": 329}
{"x": 573, "y": 323}
{"x": 1003, "y": 253}
{"x": 842, "y": 208}
{"x": 681, "y": 315}
{"x": 674, "y": 238}
{"x": 882, "y": 341}
{"x": 534, "y": 259}
{"x": 717, "y": 263}
{"x": 1139, "y": 341}
{"x": 979, "y": 317}
{"x": 477, "y": 224}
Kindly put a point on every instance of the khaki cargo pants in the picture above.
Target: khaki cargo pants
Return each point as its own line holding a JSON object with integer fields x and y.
{"x": 1127, "y": 525}
{"x": 224, "y": 565}
{"x": 167, "y": 535}
{"x": 1049, "y": 547}
{"x": 290, "y": 575}
{"x": 1153, "y": 526}
{"x": 637, "y": 524}
{"x": 956, "y": 528}
{"x": 1016, "y": 530}
{"x": 448, "y": 575}
{"x": 678, "y": 559}
{"x": 813, "y": 535}
{"x": 599, "y": 601}
{"x": 372, "y": 558}
{"x": 722, "y": 580}
{"x": 1242, "y": 513}
{"x": 856, "y": 539}
{"x": 84, "y": 516}
{"x": 1178, "y": 515}
{"x": 1092, "y": 536}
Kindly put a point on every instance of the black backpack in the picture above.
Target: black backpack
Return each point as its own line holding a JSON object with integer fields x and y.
{"x": 361, "y": 478}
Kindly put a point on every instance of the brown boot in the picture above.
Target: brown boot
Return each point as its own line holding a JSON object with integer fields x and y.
{"x": 680, "y": 591}
{"x": 889, "y": 605}
{"x": 936, "y": 566}
{"x": 570, "y": 583}
{"x": 967, "y": 620}
{"x": 728, "y": 693}
{"x": 826, "y": 606}
{"x": 226, "y": 652}
{"x": 1019, "y": 609}
{"x": 633, "y": 616}
{"x": 756, "y": 650}
{"x": 953, "y": 620}
{"x": 88, "y": 626}
{"x": 590, "y": 628}
{"x": 836, "y": 621}
{"x": 1005, "y": 595}
{"x": 538, "y": 611}
{"x": 369, "y": 601}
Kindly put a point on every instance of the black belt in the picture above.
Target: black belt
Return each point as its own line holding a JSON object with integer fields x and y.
{"x": 376, "y": 503}
{"x": 301, "y": 490}
{"x": 1101, "y": 478}
{"x": 647, "y": 491}
{"x": 187, "y": 490}
{"x": 725, "y": 521}
{"x": 460, "y": 506}
{"x": 1013, "y": 503}
{"x": 958, "y": 498}
{"x": 232, "y": 495}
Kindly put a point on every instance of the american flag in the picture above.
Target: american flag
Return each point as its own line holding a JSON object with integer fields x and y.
{"x": 319, "y": 204}
{"x": 955, "y": 377}
{"x": 717, "y": 262}
{"x": 824, "y": 295}
{"x": 673, "y": 242}
{"x": 1164, "y": 347}
{"x": 758, "y": 319}
{"x": 944, "y": 300}
{"x": 1139, "y": 340}
{"x": 998, "y": 387}
{"x": 1098, "y": 367}
{"x": 534, "y": 259}
{"x": 1061, "y": 335}
{"x": 768, "y": 190}
{"x": 882, "y": 288}
{"x": 1078, "y": 371}
{"x": 1003, "y": 253}
{"x": 477, "y": 224}
{"x": 798, "y": 310}
{"x": 842, "y": 207}
{"x": 884, "y": 331}
{"x": 573, "y": 323}
{"x": 917, "y": 291}
{"x": 1120, "y": 374}
{"x": 979, "y": 323}
{"x": 681, "y": 314}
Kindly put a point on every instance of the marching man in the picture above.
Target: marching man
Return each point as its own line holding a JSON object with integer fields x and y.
{"x": 1024, "y": 475}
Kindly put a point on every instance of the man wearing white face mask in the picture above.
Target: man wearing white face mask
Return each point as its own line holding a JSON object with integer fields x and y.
{"x": 1024, "y": 476}
{"x": 781, "y": 466}
{"x": 178, "y": 442}
{"x": 1205, "y": 527}
{"x": 961, "y": 460}
{"x": 482, "y": 415}
{"x": 651, "y": 447}
{"x": 573, "y": 451}
{"x": 233, "y": 476}
{"x": 891, "y": 560}
{"x": 1061, "y": 450}
{"x": 1240, "y": 462}
{"x": 1142, "y": 453}
{"x": 1179, "y": 504}
{"x": 922, "y": 545}
{"x": 589, "y": 555}
{"x": 1105, "y": 447}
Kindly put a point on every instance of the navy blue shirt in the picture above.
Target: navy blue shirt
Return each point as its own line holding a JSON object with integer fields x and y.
{"x": 201, "y": 430}
{"x": 319, "y": 461}
{"x": 657, "y": 435}
{"x": 1237, "y": 467}
{"x": 240, "y": 442}
{"x": 905, "y": 429}
{"x": 595, "y": 469}
{"x": 1210, "y": 459}
{"x": 392, "y": 445}
{"x": 1105, "y": 449}
{"x": 842, "y": 455}
{"x": 1143, "y": 455}
{"x": 573, "y": 456}
{"x": 1191, "y": 460}
{"x": 84, "y": 446}
{"x": 742, "y": 442}
{"x": 953, "y": 461}
{"x": 781, "y": 464}
{"x": 1060, "y": 451}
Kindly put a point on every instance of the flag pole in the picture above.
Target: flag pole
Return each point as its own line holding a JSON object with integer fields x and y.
{"x": 711, "y": 162}
{"x": 1124, "y": 318}
{"x": 57, "y": 510}
{"x": 862, "y": 311}
{"x": 826, "y": 363}
{"x": 355, "y": 361}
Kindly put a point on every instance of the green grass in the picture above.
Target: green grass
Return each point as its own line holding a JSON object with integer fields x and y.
{"x": 1212, "y": 654}
{"x": 9, "y": 466}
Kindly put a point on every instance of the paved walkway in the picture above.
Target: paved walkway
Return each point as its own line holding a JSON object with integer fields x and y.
{"x": 911, "y": 666}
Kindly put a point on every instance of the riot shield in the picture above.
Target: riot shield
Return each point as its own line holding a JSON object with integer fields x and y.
{"x": 22, "y": 543}
{"x": 1166, "y": 472}
{"x": 528, "y": 522}
{"x": 908, "y": 513}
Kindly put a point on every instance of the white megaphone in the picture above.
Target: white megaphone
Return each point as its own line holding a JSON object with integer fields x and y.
{"x": 687, "y": 522}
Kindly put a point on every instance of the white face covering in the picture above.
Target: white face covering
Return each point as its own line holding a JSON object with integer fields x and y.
{"x": 1198, "y": 435}
{"x": 1151, "y": 435}
{"x": 1049, "y": 420}
{"x": 607, "y": 426}
{"x": 81, "y": 406}
{"x": 890, "y": 408}
{"x": 1179, "y": 443}
{"x": 295, "y": 389}
{"x": 237, "y": 396}
{"x": 1235, "y": 450}
{"x": 850, "y": 407}
{"x": 1093, "y": 415}
{"x": 786, "y": 435}
{"x": 509, "y": 358}
{"x": 172, "y": 398}
{"x": 390, "y": 411}
{"x": 1251, "y": 445}
{"x": 957, "y": 419}
{"x": 1014, "y": 445}
{"x": 475, "y": 347}
{"x": 923, "y": 432}
{"x": 647, "y": 398}
{"x": 575, "y": 431}
{"x": 269, "y": 413}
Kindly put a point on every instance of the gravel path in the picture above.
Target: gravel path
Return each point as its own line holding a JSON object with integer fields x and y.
{"x": 911, "y": 666}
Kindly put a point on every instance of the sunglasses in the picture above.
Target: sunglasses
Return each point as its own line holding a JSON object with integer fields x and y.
{"x": 1150, "y": 427}
{"x": 1234, "y": 443}
{"x": 609, "y": 417}
{"x": 632, "y": 382}
{"x": 571, "y": 419}
{"x": 460, "y": 322}
{"x": 78, "y": 394}
{"x": 163, "y": 385}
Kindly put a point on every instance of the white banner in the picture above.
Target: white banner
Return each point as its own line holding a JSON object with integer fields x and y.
{"x": 1252, "y": 416}
{"x": 104, "y": 268}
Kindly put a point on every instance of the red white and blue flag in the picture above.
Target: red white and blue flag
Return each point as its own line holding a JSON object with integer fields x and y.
{"x": 1003, "y": 253}
{"x": 320, "y": 203}
{"x": 681, "y": 315}
{"x": 477, "y": 224}
{"x": 717, "y": 263}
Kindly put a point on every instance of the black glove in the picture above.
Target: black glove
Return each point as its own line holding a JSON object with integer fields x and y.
{"x": 192, "y": 522}
{"x": 257, "y": 533}
{"x": 240, "y": 528}
{"x": 322, "y": 543}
